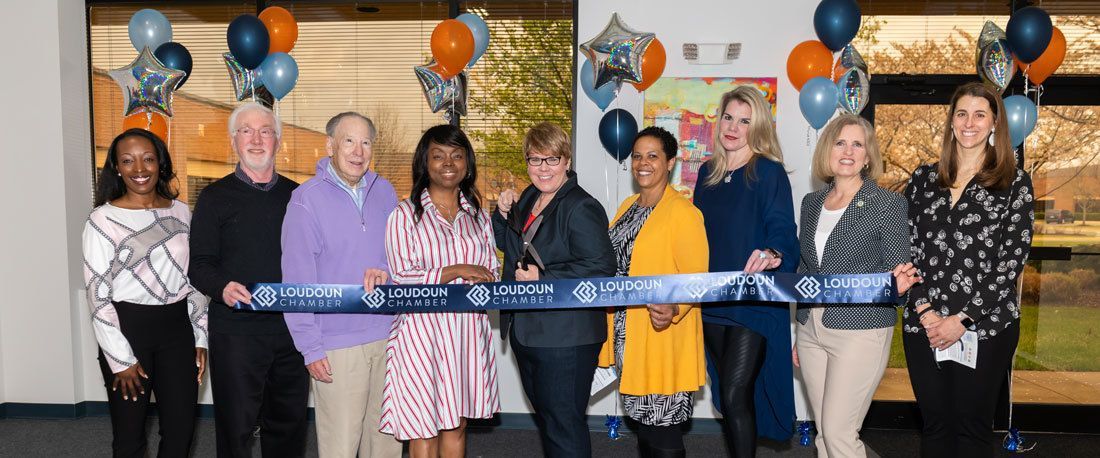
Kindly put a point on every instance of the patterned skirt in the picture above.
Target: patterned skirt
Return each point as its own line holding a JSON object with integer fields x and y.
{"x": 440, "y": 368}
{"x": 651, "y": 409}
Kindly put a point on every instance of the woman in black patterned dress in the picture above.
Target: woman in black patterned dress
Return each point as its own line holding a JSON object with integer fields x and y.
{"x": 971, "y": 217}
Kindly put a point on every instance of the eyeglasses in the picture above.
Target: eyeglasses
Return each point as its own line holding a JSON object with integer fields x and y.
{"x": 266, "y": 132}
{"x": 537, "y": 161}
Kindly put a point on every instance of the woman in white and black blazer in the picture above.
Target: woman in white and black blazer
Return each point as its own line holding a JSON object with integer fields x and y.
{"x": 851, "y": 227}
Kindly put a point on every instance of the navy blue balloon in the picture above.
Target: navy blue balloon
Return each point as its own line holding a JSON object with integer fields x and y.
{"x": 836, "y": 22}
{"x": 617, "y": 131}
{"x": 248, "y": 40}
{"x": 1029, "y": 31}
{"x": 175, "y": 56}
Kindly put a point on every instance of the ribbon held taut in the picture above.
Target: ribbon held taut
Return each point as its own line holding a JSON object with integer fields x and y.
{"x": 703, "y": 288}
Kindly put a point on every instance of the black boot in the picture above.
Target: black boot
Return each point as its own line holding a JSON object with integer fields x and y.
{"x": 648, "y": 451}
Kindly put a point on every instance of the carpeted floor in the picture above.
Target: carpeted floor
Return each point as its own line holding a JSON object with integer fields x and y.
{"x": 90, "y": 437}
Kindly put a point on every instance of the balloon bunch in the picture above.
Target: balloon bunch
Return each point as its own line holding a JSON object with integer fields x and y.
{"x": 147, "y": 83}
{"x": 258, "y": 63}
{"x": 457, "y": 44}
{"x": 823, "y": 84}
{"x": 618, "y": 54}
{"x": 1031, "y": 44}
{"x": 615, "y": 55}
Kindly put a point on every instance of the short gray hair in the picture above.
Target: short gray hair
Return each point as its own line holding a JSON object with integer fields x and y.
{"x": 330, "y": 127}
{"x": 254, "y": 106}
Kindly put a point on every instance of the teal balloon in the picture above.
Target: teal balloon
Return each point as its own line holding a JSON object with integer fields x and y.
{"x": 602, "y": 96}
{"x": 617, "y": 131}
{"x": 149, "y": 29}
{"x": 248, "y": 40}
{"x": 1029, "y": 31}
{"x": 818, "y": 100}
{"x": 481, "y": 34}
{"x": 278, "y": 73}
{"x": 1021, "y": 114}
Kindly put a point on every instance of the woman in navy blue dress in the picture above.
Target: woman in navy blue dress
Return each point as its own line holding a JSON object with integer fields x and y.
{"x": 745, "y": 197}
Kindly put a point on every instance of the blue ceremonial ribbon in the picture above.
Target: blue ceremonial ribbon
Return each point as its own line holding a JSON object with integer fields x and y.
{"x": 576, "y": 293}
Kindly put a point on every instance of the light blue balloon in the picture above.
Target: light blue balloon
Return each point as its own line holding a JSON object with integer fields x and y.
{"x": 818, "y": 101}
{"x": 601, "y": 96}
{"x": 149, "y": 29}
{"x": 481, "y": 34}
{"x": 1021, "y": 115}
{"x": 278, "y": 73}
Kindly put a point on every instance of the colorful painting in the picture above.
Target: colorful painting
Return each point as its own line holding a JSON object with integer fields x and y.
{"x": 688, "y": 107}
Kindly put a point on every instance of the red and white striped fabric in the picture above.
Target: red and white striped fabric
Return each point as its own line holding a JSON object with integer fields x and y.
{"x": 440, "y": 367}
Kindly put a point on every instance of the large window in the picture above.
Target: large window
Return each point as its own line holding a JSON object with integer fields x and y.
{"x": 351, "y": 57}
{"x": 919, "y": 53}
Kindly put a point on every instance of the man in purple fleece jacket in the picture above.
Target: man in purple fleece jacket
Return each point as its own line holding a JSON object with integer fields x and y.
{"x": 334, "y": 232}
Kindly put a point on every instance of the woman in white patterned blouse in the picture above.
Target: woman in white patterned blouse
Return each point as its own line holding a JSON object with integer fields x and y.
{"x": 149, "y": 322}
{"x": 971, "y": 217}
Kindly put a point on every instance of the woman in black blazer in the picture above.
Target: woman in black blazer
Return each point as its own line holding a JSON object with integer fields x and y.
{"x": 850, "y": 227}
{"x": 556, "y": 350}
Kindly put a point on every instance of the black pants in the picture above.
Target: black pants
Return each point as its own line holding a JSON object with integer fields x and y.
{"x": 164, "y": 344}
{"x": 558, "y": 381}
{"x": 956, "y": 402}
{"x": 660, "y": 441}
{"x": 258, "y": 380}
{"x": 738, "y": 353}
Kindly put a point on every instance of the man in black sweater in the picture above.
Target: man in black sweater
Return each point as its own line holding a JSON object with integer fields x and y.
{"x": 257, "y": 376}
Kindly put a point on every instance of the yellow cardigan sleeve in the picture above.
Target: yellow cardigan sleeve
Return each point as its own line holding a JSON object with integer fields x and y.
{"x": 693, "y": 253}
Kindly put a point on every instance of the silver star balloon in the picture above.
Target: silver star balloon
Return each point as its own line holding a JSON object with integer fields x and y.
{"x": 147, "y": 85}
{"x": 855, "y": 90}
{"x": 245, "y": 83}
{"x": 995, "y": 63}
{"x": 849, "y": 58}
{"x": 616, "y": 53}
{"x": 442, "y": 93}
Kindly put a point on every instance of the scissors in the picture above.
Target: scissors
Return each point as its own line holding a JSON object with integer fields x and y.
{"x": 529, "y": 253}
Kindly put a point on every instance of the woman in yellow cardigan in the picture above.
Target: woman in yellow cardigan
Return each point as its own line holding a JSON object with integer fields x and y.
{"x": 658, "y": 349}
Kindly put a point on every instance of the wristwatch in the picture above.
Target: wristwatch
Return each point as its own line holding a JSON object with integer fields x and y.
{"x": 965, "y": 320}
{"x": 775, "y": 254}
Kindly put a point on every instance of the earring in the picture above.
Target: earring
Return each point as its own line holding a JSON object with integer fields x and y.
{"x": 991, "y": 134}
{"x": 119, "y": 173}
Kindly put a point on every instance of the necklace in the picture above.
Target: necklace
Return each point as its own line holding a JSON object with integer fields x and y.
{"x": 449, "y": 215}
{"x": 729, "y": 177}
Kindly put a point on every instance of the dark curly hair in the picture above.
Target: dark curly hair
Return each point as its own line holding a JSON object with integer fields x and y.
{"x": 443, "y": 134}
{"x": 109, "y": 185}
{"x": 669, "y": 144}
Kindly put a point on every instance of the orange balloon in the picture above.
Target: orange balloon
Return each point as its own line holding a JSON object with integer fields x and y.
{"x": 653, "y": 64}
{"x": 452, "y": 46}
{"x": 154, "y": 123}
{"x": 808, "y": 60}
{"x": 281, "y": 27}
{"x": 1049, "y": 61}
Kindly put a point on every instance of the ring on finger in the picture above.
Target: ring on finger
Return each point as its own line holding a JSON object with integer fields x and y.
{"x": 763, "y": 255}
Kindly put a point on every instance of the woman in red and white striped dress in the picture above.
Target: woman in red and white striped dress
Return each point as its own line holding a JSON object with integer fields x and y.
{"x": 440, "y": 367}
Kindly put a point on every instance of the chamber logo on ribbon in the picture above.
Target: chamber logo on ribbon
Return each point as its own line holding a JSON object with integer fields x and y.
{"x": 808, "y": 287}
{"x": 376, "y": 299}
{"x": 264, "y": 296}
{"x": 479, "y": 295}
{"x": 696, "y": 287}
{"x": 585, "y": 292}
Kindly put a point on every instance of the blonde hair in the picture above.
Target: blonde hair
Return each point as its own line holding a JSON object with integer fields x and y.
{"x": 548, "y": 138}
{"x": 762, "y": 138}
{"x": 820, "y": 164}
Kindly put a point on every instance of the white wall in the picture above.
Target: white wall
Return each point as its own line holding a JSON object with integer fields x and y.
{"x": 767, "y": 37}
{"x": 45, "y": 145}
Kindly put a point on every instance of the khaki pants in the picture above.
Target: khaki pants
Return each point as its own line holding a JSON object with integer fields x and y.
{"x": 841, "y": 369}
{"x": 349, "y": 409}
